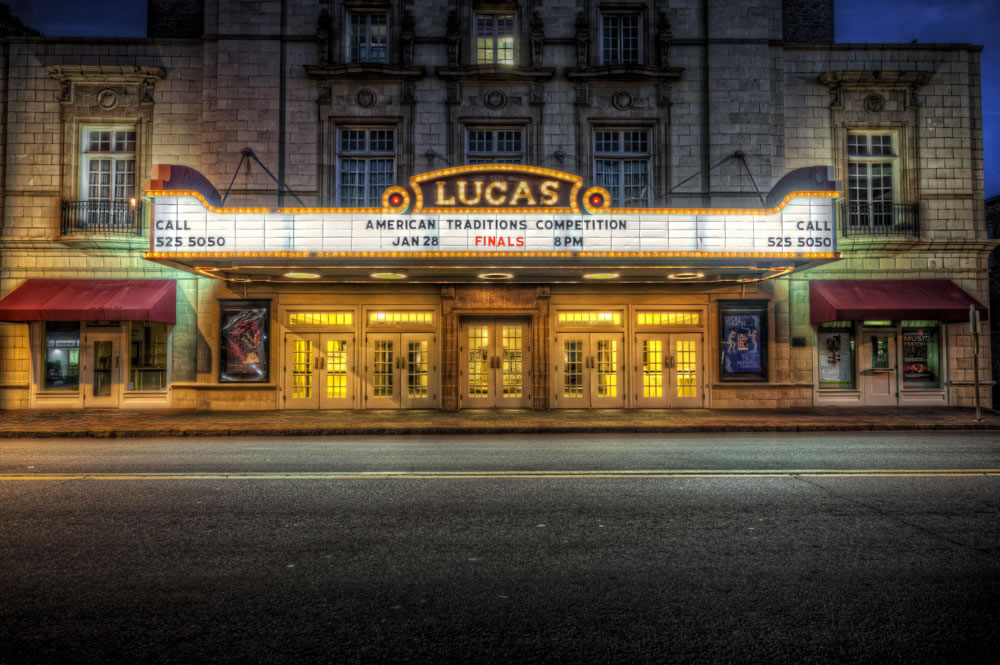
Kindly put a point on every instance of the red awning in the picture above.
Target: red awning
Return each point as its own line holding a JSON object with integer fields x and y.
{"x": 889, "y": 299}
{"x": 92, "y": 300}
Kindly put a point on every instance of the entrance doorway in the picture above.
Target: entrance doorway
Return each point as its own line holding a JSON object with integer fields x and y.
{"x": 319, "y": 371}
{"x": 589, "y": 370}
{"x": 400, "y": 371}
{"x": 102, "y": 382}
{"x": 878, "y": 368}
{"x": 495, "y": 363}
{"x": 668, "y": 371}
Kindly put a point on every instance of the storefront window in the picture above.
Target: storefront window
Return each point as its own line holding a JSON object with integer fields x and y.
{"x": 836, "y": 356}
{"x": 62, "y": 355}
{"x": 147, "y": 356}
{"x": 921, "y": 354}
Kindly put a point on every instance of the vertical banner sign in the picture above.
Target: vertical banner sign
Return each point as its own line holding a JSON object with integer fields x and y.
{"x": 243, "y": 326}
{"x": 744, "y": 341}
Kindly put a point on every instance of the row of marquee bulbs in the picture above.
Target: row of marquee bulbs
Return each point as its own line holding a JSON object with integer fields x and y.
{"x": 496, "y": 275}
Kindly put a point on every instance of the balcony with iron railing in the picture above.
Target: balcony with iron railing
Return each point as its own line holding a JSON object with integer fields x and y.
{"x": 860, "y": 219}
{"x": 116, "y": 219}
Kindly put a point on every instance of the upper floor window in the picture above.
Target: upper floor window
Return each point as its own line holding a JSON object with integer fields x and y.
{"x": 620, "y": 39}
{"x": 494, "y": 146}
{"x": 366, "y": 165}
{"x": 367, "y": 37}
{"x": 622, "y": 165}
{"x": 108, "y": 163}
{"x": 494, "y": 39}
{"x": 871, "y": 178}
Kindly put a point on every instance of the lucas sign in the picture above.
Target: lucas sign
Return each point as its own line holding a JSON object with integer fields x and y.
{"x": 489, "y": 209}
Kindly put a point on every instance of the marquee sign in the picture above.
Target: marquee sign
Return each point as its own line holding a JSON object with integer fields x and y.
{"x": 491, "y": 210}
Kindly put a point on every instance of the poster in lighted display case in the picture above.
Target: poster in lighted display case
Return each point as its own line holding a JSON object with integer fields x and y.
{"x": 243, "y": 335}
{"x": 743, "y": 337}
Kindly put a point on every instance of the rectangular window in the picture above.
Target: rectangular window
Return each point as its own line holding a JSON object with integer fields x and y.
{"x": 668, "y": 318}
{"x": 871, "y": 178}
{"x": 108, "y": 163}
{"x": 366, "y": 165}
{"x": 620, "y": 39}
{"x": 622, "y": 165}
{"x": 147, "y": 356}
{"x": 494, "y": 39}
{"x": 62, "y": 355}
{"x": 367, "y": 37}
{"x": 921, "y": 354}
{"x": 590, "y": 318}
{"x": 836, "y": 348}
{"x": 494, "y": 146}
{"x": 396, "y": 318}
{"x": 320, "y": 319}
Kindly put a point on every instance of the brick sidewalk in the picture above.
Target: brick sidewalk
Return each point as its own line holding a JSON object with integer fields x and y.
{"x": 152, "y": 423}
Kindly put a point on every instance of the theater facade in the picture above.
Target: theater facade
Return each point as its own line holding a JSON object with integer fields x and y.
{"x": 468, "y": 205}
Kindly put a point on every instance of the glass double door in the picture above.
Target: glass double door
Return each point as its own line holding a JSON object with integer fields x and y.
{"x": 496, "y": 362}
{"x": 400, "y": 371}
{"x": 589, "y": 371}
{"x": 668, "y": 371}
{"x": 319, "y": 371}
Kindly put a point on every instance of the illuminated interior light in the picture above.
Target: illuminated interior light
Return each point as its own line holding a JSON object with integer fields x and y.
{"x": 601, "y": 275}
{"x": 496, "y": 275}
{"x": 686, "y": 275}
{"x": 388, "y": 275}
{"x": 301, "y": 275}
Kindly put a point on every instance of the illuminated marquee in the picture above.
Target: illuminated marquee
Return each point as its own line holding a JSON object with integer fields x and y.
{"x": 479, "y": 210}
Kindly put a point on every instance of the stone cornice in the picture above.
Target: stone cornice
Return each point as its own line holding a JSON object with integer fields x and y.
{"x": 496, "y": 72}
{"x": 626, "y": 73}
{"x": 105, "y": 73}
{"x": 363, "y": 70}
{"x": 875, "y": 79}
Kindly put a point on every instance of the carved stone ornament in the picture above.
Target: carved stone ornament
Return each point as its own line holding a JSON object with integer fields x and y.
{"x": 622, "y": 100}
{"x": 835, "y": 100}
{"x": 324, "y": 28}
{"x": 582, "y": 94}
{"x": 366, "y": 98}
{"x": 537, "y": 37}
{"x": 107, "y": 99}
{"x": 536, "y": 94}
{"x": 453, "y": 36}
{"x": 407, "y": 38}
{"x": 582, "y": 40}
{"x": 495, "y": 99}
{"x": 664, "y": 39}
{"x": 874, "y": 103}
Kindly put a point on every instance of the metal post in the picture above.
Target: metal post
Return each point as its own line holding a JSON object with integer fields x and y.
{"x": 974, "y": 327}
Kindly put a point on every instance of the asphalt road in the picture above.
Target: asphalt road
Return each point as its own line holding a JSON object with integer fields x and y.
{"x": 573, "y": 549}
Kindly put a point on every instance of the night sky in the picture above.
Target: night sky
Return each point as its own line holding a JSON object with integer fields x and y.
{"x": 941, "y": 21}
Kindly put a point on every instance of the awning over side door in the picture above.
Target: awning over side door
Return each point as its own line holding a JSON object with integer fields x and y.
{"x": 889, "y": 299}
{"x": 92, "y": 300}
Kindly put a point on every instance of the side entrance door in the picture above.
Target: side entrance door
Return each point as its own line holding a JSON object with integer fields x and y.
{"x": 878, "y": 368}
{"x": 495, "y": 363}
{"x": 589, "y": 371}
{"x": 102, "y": 369}
{"x": 400, "y": 371}
{"x": 319, "y": 371}
{"x": 668, "y": 371}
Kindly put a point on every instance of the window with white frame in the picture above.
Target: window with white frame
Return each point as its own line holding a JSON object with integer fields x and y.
{"x": 494, "y": 146}
{"x": 871, "y": 178}
{"x": 622, "y": 165}
{"x": 366, "y": 165}
{"x": 367, "y": 37}
{"x": 108, "y": 163}
{"x": 620, "y": 39}
{"x": 494, "y": 39}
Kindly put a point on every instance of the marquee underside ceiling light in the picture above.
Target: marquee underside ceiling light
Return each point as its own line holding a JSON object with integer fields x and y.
{"x": 301, "y": 275}
{"x": 496, "y": 275}
{"x": 686, "y": 275}
{"x": 601, "y": 275}
{"x": 388, "y": 275}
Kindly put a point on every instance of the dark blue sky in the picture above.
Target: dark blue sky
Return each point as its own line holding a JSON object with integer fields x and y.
{"x": 942, "y": 21}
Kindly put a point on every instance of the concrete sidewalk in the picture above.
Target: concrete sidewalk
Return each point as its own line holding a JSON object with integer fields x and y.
{"x": 157, "y": 423}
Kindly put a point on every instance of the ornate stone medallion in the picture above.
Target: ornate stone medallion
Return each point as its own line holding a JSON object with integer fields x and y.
{"x": 107, "y": 99}
{"x": 495, "y": 99}
{"x": 622, "y": 100}
{"x": 874, "y": 103}
{"x": 366, "y": 98}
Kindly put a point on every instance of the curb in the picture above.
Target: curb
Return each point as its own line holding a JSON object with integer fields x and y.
{"x": 460, "y": 430}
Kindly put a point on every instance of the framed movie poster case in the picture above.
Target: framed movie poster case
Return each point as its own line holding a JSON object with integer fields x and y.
{"x": 743, "y": 340}
{"x": 243, "y": 339}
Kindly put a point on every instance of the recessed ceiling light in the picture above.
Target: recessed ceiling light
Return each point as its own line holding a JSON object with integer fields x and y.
{"x": 496, "y": 275}
{"x": 388, "y": 275}
{"x": 301, "y": 275}
{"x": 686, "y": 275}
{"x": 601, "y": 275}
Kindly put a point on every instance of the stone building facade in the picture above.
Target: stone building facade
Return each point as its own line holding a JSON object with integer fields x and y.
{"x": 678, "y": 106}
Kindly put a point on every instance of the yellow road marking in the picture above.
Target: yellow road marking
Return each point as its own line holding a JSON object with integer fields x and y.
{"x": 472, "y": 475}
